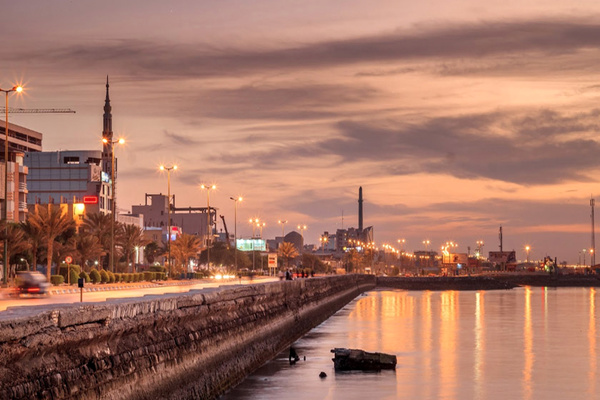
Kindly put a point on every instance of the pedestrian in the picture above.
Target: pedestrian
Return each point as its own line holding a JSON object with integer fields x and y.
{"x": 281, "y": 275}
{"x": 288, "y": 276}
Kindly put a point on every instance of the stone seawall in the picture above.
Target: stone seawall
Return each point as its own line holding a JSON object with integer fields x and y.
{"x": 444, "y": 283}
{"x": 176, "y": 346}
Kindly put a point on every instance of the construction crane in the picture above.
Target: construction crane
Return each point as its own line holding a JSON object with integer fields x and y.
{"x": 37, "y": 111}
{"x": 226, "y": 232}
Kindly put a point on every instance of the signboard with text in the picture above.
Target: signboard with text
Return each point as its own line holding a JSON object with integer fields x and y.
{"x": 251, "y": 245}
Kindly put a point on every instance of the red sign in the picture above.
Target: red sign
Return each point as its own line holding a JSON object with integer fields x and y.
{"x": 68, "y": 259}
{"x": 90, "y": 199}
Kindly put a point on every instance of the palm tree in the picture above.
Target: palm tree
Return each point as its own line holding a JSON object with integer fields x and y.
{"x": 185, "y": 247}
{"x": 52, "y": 222}
{"x": 84, "y": 247}
{"x": 152, "y": 252}
{"x": 353, "y": 259}
{"x": 288, "y": 252}
{"x": 130, "y": 237}
{"x": 16, "y": 241}
{"x": 35, "y": 238}
{"x": 99, "y": 225}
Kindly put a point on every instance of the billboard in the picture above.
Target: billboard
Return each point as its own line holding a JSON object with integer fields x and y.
{"x": 251, "y": 244}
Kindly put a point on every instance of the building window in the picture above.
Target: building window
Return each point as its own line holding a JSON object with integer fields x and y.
{"x": 71, "y": 160}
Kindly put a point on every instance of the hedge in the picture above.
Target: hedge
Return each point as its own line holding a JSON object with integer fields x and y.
{"x": 57, "y": 280}
{"x": 95, "y": 276}
{"x": 85, "y": 276}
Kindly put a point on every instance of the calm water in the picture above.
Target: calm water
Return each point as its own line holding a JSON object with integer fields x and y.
{"x": 527, "y": 343}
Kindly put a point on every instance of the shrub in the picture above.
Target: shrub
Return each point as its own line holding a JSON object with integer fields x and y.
{"x": 126, "y": 277}
{"x": 161, "y": 276}
{"x": 104, "y": 276}
{"x": 57, "y": 280}
{"x": 74, "y": 276}
{"x": 150, "y": 276}
{"x": 111, "y": 277}
{"x": 95, "y": 276}
{"x": 118, "y": 277}
{"x": 63, "y": 269}
{"x": 139, "y": 276}
{"x": 157, "y": 268}
{"x": 85, "y": 276}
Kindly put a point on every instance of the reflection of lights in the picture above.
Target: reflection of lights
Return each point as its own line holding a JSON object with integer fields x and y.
{"x": 218, "y": 276}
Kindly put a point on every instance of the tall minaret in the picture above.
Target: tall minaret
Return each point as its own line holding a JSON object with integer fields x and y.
{"x": 107, "y": 148}
{"x": 360, "y": 210}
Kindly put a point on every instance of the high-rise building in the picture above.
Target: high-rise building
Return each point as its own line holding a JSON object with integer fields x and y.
{"x": 74, "y": 176}
{"x": 20, "y": 140}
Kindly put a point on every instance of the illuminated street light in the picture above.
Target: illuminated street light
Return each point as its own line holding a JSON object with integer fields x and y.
{"x": 302, "y": 228}
{"x": 426, "y": 243}
{"x": 113, "y": 208}
{"x": 254, "y": 222}
{"x": 527, "y": 248}
{"x": 208, "y": 188}
{"x": 282, "y": 222}
{"x": 18, "y": 89}
{"x": 236, "y": 200}
{"x": 169, "y": 169}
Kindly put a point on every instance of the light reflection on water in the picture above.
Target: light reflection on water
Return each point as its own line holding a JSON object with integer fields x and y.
{"x": 527, "y": 343}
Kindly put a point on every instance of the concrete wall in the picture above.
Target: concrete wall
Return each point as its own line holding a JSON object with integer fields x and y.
{"x": 181, "y": 346}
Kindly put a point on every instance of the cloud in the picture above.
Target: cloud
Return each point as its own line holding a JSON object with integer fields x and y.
{"x": 541, "y": 40}
{"x": 180, "y": 140}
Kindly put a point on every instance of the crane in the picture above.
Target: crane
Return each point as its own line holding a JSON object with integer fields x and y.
{"x": 226, "y": 232}
{"x": 37, "y": 110}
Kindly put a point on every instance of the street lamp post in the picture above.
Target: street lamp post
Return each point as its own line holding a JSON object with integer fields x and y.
{"x": 254, "y": 223}
{"x": 208, "y": 227}
{"x": 401, "y": 243}
{"x": 235, "y": 230}
{"x": 282, "y": 222}
{"x": 169, "y": 169}
{"x": 302, "y": 228}
{"x": 113, "y": 207}
{"x": 17, "y": 89}
{"x": 584, "y": 251}
{"x": 527, "y": 248}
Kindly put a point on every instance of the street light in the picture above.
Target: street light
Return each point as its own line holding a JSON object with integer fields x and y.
{"x": 479, "y": 246}
{"x": 324, "y": 241}
{"x": 584, "y": 251}
{"x": 282, "y": 222}
{"x": 18, "y": 89}
{"x": 113, "y": 208}
{"x": 302, "y": 228}
{"x": 401, "y": 243}
{"x": 254, "y": 222}
{"x": 527, "y": 248}
{"x": 235, "y": 230}
{"x": 169, "y": 169}
{"x": 208, "y": 227}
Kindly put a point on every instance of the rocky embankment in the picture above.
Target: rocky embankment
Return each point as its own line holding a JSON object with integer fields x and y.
{"x": 443, "y": 283}
{"x": 177, "y": 346}
{"x": 488, "y": 282}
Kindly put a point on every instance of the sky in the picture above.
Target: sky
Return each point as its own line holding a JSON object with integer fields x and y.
{"x": 456, "y": 117}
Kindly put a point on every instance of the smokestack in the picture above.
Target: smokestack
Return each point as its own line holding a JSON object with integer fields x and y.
{"x": 360, "y": 210}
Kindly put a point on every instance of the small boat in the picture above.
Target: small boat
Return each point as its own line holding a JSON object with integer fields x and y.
{"x": 355, "y": 359}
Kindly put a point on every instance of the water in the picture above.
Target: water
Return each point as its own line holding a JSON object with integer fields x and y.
{"x": 526, "y": 343}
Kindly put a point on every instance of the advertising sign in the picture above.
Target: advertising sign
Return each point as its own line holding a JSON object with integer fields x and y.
{"x": 251, "y": 244}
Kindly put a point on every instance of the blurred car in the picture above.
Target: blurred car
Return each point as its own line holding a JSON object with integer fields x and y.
{"x": 31, "y": 282}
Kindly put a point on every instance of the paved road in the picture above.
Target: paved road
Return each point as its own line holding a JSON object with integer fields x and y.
{"x": 31, "y": 301}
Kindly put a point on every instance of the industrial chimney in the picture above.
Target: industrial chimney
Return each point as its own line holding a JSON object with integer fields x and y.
{"x": 360, "y": 210}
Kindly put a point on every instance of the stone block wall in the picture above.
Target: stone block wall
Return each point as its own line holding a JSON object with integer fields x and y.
{"x": 175, "y": 346}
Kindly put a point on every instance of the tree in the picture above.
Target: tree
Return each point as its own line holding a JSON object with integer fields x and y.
{"x": 16, "y": 243}
{"x": 152, "y": 252}
{"x": 288, "y": 252}
{"x": 35, "y": 238}
{"x": 130, "y": 237}
{"x": 52, "y": 222}
{"x": 185, "y": 247}
{"x": 99, "y": 225}
{"x": 314, "y": 262}
{"x": 84, "y": 247}
{"x": 353, "y": 259}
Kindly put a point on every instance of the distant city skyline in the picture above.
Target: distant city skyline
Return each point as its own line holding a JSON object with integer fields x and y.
{"x": 456, "y": 118}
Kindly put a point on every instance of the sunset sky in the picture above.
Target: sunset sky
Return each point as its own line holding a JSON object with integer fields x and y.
{"x": 455, "y": 117}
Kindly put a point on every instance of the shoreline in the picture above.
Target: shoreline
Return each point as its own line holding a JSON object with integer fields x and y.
{"x": 487, "y": 282}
